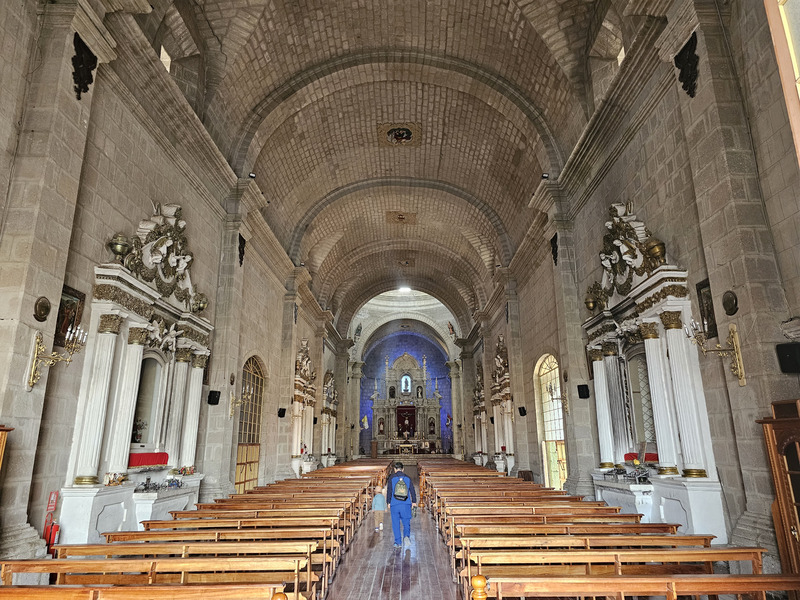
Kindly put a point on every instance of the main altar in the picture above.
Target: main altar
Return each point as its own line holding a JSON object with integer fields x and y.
{"x": 406, "y": 416}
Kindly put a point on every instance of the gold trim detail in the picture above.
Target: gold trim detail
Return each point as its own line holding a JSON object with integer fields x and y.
{"x": 595, "y": 354}
{"x": 109, "y": 324}
{"x": 676, "y": 291}
{"x": 649, "y": 331}
{"x": 668, "y": 471}
{"x": 606, "y": 465}
{"x": 694, "y": 473}
{"x": 124, "y": 299}
{"x": 672, "y": 320}
{"x": 86, "y": 480}
{"x": 607, "y": 328}
{"x": 183, "y": 354}
{"x": 194, "y": 335}
{"x": 199, "y": 361}
{"x": 609, "y": 349}
{"x": 138, "y": 336}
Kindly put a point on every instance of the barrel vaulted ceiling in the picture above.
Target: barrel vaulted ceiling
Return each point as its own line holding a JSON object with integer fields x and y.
{"x": 302, "y": 93}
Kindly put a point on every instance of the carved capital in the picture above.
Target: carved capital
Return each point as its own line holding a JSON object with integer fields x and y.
{"x": 609, "y": 349}
{"x": 671, "y": 319}
{"x": 595, "y": 354}
{"x": 649, "y": 331}
{"x": 138, "y": 335}
{"x": 199, "y": 361}
{"x": 109, "y": 324}
{"x": 183, "y": 354}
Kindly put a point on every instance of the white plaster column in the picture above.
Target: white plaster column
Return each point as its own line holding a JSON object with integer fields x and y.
{"x": 297, "y": 427}
{"x": 661, "y": 399}
{"x": 690, "y": 409}
{"x": 94, "y": 418}
{"x": 177, "y": 401}
{"x": 324, "y": 438}
{"x": 484, "y": 436}
{"x": 616, "y": 400}
{"x": 119, "y": 439}
{"x": 507, "y": 411}
{"x": 604, "y": 435}
{"x": 308, "y": 425}
{"x": 332, "y": 433}
{"x": 192, "y": 417}
{"x": 497, "y": 415}
{"x": 354, "y": 408}
{"x": 476, "y": 423}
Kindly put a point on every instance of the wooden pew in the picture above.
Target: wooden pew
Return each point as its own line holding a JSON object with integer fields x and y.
{"x": 217, "y": 591}
{"x": 669, "y": 587}
{"x": 125, "y": 571}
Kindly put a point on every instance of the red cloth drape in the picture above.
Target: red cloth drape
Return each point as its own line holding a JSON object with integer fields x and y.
{"x": 648, "y": 457}
{"x": 148, "y": 459}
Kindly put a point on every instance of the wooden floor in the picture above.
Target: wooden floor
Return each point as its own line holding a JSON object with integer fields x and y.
{"x": 373, "y": 569}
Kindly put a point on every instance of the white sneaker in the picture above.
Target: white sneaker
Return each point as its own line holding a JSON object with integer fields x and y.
{"x": 406, "y": 542}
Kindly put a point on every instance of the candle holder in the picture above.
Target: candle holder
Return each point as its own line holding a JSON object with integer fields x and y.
{"x": 733, "y": 350}
{"x": 75, "y": 340}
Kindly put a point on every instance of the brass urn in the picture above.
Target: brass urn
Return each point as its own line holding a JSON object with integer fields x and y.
{"x": 119, "y": 246}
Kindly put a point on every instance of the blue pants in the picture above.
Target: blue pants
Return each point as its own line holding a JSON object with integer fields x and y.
{"x": 401, "y": 512}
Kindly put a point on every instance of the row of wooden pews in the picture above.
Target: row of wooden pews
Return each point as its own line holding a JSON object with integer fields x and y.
{"x": 512, "y": 538}
{"x": 283, "y": 540}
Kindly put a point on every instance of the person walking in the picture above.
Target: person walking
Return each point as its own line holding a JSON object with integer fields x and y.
{"x": 401, "y": 496}
{"x": 378, "y": 508}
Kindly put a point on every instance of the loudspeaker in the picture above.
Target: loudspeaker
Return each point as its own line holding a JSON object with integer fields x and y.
{"x": 281, "y": 413}
{"x": 789, "y": 357}
{"x": 213, "y": 397}
{"x": 315, "y": 420}
{"x": 522, "y": 411}
{"x": 491, "y": 419}
{"x": 583, "y": 391}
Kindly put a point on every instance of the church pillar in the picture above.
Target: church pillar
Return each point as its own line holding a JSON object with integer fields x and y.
{"x": 738, "y": 250}
{"x": 605, "y": 436}
{"x": 484, "y": 433}
{"x": 457, "y": 400}
{"x": 40, "y": 205}
{"x": 354, "y": 392}
{"x": 119, "y": 438}
{"x": 194, "y": 397}
{"x": 695, "y": 438}
{"x": 616, "y": 402}
{"x": 88, "y": 445}
{"x": 341, "y": 375}
{"x": 498, "y": 426}
{"x": 177, "y": 400}
{"x": 467, "y": 402}
{"x": 661, "y": 398}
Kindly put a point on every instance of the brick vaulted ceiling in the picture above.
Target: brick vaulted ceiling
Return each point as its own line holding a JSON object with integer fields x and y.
{"x": 301, "y": 92}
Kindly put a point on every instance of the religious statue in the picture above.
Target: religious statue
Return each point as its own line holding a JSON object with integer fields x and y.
{"x": 419, "y": 391}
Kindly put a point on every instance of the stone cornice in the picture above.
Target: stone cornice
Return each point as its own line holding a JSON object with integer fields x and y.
{"x": 130, "y": 6}
{"x": 89, "y": 25}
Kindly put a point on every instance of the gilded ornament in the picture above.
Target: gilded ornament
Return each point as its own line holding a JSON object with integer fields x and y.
{"x": 195, "y": 336}
{"x": 610, "y": 349}
{"x": 674, "y": 291}
{"x": 109, "y": 324}
{"x": 671, "y": 319}
{"x": 595, "y": 354}
{"x": 183, "y": 354}
{"x": 138, "y": 335}
{"x": 113, "y": 294}
{"x": 649, "y": 331}
{"x": 694, "y": 473}
{"x": 601, "y": 331}
{"x": 199, "y": 361}
{"x": 633, "y": 337}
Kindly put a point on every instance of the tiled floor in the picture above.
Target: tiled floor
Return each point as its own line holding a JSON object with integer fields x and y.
{"x": 373, "y": 570}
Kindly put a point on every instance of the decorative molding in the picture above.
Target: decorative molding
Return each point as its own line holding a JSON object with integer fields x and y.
{"x": 600, "y": 332}
{"x": 671, "y": 319}
{"x": 138, "y": 335}
{"x": 196, "y": 336}
{"x": 648, "y": 331}
{"x": 114, "y": 294}
{"x": 399, "y": 134}
{"x": 183, "y": 355}
{"x": 199, "y": 361}
{"x": 676, "y": 291}
{"x": 610, "y": 349}
{"x": 109, "y": 324}
{"x": 595, "y": 354}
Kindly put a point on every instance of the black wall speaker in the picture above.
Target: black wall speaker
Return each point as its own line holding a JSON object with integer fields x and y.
{"x": 583, "y": 391}
{"x": 789, "y": 357}
{"x": 281, "y": 413}
{"x": 315, "y": 420}
{"x": 213, "y": 397}
{"x": 491, "y": 419}
{"x": 522, "y": 411}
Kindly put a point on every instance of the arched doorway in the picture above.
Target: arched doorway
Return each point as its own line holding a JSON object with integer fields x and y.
{"x": 551, "y": 419}
{"x": 249, "y": 438}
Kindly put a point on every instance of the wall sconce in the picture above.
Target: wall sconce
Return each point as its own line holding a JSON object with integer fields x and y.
{"x": 247, "y": 396}
{"x": 75, "y": 340}
{"x": 732, "y": 349}
{"x": 552, "y": 390}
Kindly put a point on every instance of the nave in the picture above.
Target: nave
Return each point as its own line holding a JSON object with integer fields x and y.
{"x": 308, "y": 538}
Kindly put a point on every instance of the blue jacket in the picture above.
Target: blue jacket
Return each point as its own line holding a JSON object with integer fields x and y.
{"x": 412, "y": 495}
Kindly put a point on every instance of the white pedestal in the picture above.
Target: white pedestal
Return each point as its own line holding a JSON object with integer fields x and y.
{"x": 500, "y": 463}
{"x": 634, "y": 498}
{"x": 309, "y": 465}
{"x": 694, "y": 503}
{"x": 478, "y": 458}
{"x": 297, "y": 466}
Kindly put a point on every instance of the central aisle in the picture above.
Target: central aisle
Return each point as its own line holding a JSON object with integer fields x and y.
{"x": 373, "y": 570}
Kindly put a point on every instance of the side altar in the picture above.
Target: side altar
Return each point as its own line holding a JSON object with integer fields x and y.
{"x": 406, "y": 415}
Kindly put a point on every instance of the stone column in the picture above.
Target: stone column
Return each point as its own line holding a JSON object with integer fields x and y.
{"x": 176, "y": 405}
{"x": 94, "y": 418}
{"x": 467, "y": 399}
{"x": 690, "y": 409}
{"x": 124, "y": 408}
{"x": 192, "y": 419}
{"x": 616, "y": 400}
{"x": 484, "y": 433}
{"x": 605, "y": 437}
{"x": 476, "y": 424}
{"x": 341, "y": 374}
{"x": 499, "y": 437}
{"x": 354, "y": 393}
{"x": 457, "y": 400}
{"x": 308, "y": 425}
{"x": 661, "y": 398}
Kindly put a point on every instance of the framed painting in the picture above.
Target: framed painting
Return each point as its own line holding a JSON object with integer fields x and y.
{"x": 70, "y": 311}
{"x": 706, "y": 302}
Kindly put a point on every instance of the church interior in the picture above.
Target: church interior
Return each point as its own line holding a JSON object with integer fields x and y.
{"x": 555, "y": 240}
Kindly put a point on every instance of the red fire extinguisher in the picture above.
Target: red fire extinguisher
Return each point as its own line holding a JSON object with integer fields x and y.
{"x": 51, "y": 533}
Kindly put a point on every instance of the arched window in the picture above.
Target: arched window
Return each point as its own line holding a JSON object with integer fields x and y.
{"x": 249, "y": 440}
{"x": 552, "y": 422}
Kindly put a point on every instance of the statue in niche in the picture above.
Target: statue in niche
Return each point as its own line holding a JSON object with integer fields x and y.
{"x": 380, "y": 426}
{"x": 419, "y": 391}
{"x": 405, "y": 384}
{"x": 391, "y": 392}
{"x": 431, "y": 426}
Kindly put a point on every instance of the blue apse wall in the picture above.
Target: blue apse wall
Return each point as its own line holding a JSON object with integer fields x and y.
{"x": 393, "y": 346}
